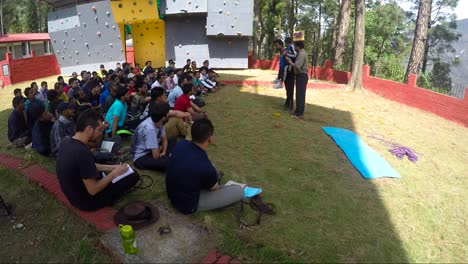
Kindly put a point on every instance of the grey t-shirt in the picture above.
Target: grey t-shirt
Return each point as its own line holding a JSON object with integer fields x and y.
{"x": 146, "y": 138}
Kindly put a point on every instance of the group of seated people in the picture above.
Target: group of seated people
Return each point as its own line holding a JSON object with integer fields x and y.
{"x": 161, "y": 111}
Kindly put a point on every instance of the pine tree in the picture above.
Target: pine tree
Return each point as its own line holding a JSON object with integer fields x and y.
{"x": 31, "y": 18}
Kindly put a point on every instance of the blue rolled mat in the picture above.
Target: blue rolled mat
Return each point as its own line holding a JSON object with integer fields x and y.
{"x": 370, "y": 164}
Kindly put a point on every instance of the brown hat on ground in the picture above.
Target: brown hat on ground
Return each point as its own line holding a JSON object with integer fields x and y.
{"x": 137, "y": 214}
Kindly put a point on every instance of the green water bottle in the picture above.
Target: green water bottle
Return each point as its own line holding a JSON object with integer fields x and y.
{"x": 128, "y": 239}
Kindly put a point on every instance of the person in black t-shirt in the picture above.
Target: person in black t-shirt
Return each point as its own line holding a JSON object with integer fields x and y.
{"x": 192, "y": 180}
{"x": 188, "y": 66}
{"x": 78, "y": 175}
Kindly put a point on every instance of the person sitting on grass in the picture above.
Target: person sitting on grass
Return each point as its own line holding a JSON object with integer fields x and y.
{"x": 158, "y": 95}
{"x": 169, "y": 83}
{"x": 159, "y": 81}
{"x": 205, "y": 81}
{"x": 116, "y": 116}
{"x": 94, "y": 96}
{"x": 64, "y": 126}
{"x": 54, "y": 101}
{"x": 19, "y": 133}
{"x": 197, "y": 85}
{"x": 73, "y": 83}
{"x": 177, "y": 75}
{"x": 61, "y": 95}
{"x": 187, "y": 66}
{"x": 177, "y": 91}
{"x": 78, "y": 174}
{"x": 18, "y": 92}
{"x": 184, "y": 104}
{"x": 150, "y": 148}
{"x": 192, "y": 180}
{"x": 194, "y": 66}
{"x": 140, "y": 99}
{"x": 42, "y": 93}
{"x": 41, "y": 129}
{"x": 111, "y": 96}
{"x": 151, "y": 77}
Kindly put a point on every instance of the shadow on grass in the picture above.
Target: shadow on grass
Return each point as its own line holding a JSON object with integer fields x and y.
{"x": 326, "y": 212}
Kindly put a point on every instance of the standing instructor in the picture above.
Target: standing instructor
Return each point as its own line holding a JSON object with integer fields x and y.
{"x": 301, "y": 68}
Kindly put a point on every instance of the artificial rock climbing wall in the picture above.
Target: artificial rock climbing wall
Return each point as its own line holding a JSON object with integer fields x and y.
{"x": 147, "y": 28}
{"x": 85, "y": 36}
{"x": 219, "y": 33}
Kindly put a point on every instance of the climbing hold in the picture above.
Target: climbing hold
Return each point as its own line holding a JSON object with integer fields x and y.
{"x": 89, "y": 54}
{"x": 77, "y": 52}
{"x": 228, "y": 13}
{"x": 120, "y": 5}
{"x": 108, "y": 13}
{"x": 187, "y": 52}
{"x": 107, "y": 24}
{"x": 64, "y": 47}
{"x": 70, "y": 56}
{"x": 84, "y": 24}
{"x": 113, "y": 27}
{"x": 180, "y": 45}
{"x": 63, "y": 57}
{"x": 232, "y": 25}
{"x": 63, "y": 41}
{"x": 96, "y": 18}
{"x": 79, "y": 14}
{"x": 98, "y": 33}
{"x": 134, "y": 3}
{"x": 77, "y": 62}
{"x": 220, "y": 11}
{"x": 73, "y": 39}
{"x": 239, "y": 33}
{"x": 76, "y": 25}
{"x": 189, "y": 2}
{"x": 86, "y": 44}
{"x": 196, "y": 6}
{"x": 93, "y": 8}
{"x": 110, "y": 44}
{"x": 58, "y": 51}
{"x": 236, "y": 3}
{"x": 212, "y": 25}
{"x": 224, "y": 2}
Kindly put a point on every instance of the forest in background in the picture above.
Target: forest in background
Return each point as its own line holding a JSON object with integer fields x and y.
{"x": 329, "y": 25}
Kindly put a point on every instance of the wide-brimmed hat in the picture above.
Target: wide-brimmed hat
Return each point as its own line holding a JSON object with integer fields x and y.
{"x": 137, "y": 214}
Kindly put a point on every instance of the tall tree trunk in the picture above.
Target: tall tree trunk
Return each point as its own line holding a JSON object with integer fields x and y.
{"x": 342, "y": 31}
{"x": 292, "y": 17}
{"x": 1, "y": 17}
{"x": 420, "y": 38}
{"x": 255, "y": 29}
{"x": 426, "y": 46}
{"x": 355, "y": 83}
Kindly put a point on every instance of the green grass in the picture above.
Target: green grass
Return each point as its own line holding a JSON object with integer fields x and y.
{"x": 326, "y": 212}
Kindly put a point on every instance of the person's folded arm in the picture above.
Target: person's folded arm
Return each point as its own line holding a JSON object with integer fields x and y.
{"x": 177, "y": 113}
{"x": 191, "y": 111}
{"x": 215, "y": 187}
{"x": 104, "y": 167}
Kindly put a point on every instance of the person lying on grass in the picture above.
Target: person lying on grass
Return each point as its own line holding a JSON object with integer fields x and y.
{"x": 78, "y": 174}
{"x": 184, "y": 104}
{"x": 192, "y": 180}
{"x": 150, "y": 146}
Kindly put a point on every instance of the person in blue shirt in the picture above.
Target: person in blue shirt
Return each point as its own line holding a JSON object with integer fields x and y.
{"x": 118, "y": 111}
{"x": 192, "y": 180}
{"x": 177, "y": 91}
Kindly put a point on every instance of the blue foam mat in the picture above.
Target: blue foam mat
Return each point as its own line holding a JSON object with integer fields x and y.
{"x": 368, "y": 162}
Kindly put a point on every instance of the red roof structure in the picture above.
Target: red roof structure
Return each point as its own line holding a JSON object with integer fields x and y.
{"x": 24, "y": 37}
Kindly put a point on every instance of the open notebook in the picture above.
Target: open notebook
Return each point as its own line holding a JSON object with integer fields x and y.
{"x": 121, "y": 176}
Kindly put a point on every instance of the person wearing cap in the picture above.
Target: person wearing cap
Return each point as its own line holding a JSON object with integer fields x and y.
{"x": 41, "y": 129}
{"x": 192, "y": 180}
{"x": 118, "y": 111}
{"x": 63, "y": 126}
{"x": 88, "y": 185}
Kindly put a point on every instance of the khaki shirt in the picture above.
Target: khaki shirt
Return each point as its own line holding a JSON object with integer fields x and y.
{"x": 301, "y": 65}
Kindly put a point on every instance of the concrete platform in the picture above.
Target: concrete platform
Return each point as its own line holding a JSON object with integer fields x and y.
{"x": 188, "y": 242}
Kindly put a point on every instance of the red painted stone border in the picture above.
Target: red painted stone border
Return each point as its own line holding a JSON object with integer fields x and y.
{"x": 102, "y": 219}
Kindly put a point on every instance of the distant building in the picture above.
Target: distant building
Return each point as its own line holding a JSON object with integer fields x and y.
{"x": 25, "y": 57}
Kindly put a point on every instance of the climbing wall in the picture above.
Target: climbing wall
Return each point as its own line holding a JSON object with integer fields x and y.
{"x": 85, "y": 36}
{"x": 186, "y": 39}
{"x": 176, "y": 7}
{"x": 147, "y": 28}
{"x": 229, "y": 18}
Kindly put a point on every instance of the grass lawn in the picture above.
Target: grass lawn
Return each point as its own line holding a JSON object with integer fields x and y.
{"x": 326, "y": 212}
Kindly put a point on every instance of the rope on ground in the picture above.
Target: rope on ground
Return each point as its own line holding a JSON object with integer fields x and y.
{"x": 396, "y": 148}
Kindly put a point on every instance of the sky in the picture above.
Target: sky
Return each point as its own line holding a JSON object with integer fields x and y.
{"x": 461, "y": 10}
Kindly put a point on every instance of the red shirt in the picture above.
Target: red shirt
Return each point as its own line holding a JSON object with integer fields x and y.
{"x": 66, "y": 88}
{"x": 182, "y": 103}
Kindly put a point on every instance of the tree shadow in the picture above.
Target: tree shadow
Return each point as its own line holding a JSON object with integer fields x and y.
{"x": 326, "y": 211}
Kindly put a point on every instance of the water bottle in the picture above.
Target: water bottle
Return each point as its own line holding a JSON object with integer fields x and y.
{"x": 128, "y": 239}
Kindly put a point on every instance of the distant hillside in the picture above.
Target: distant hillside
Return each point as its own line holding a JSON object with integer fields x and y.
{"x": 460, "y": 74}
